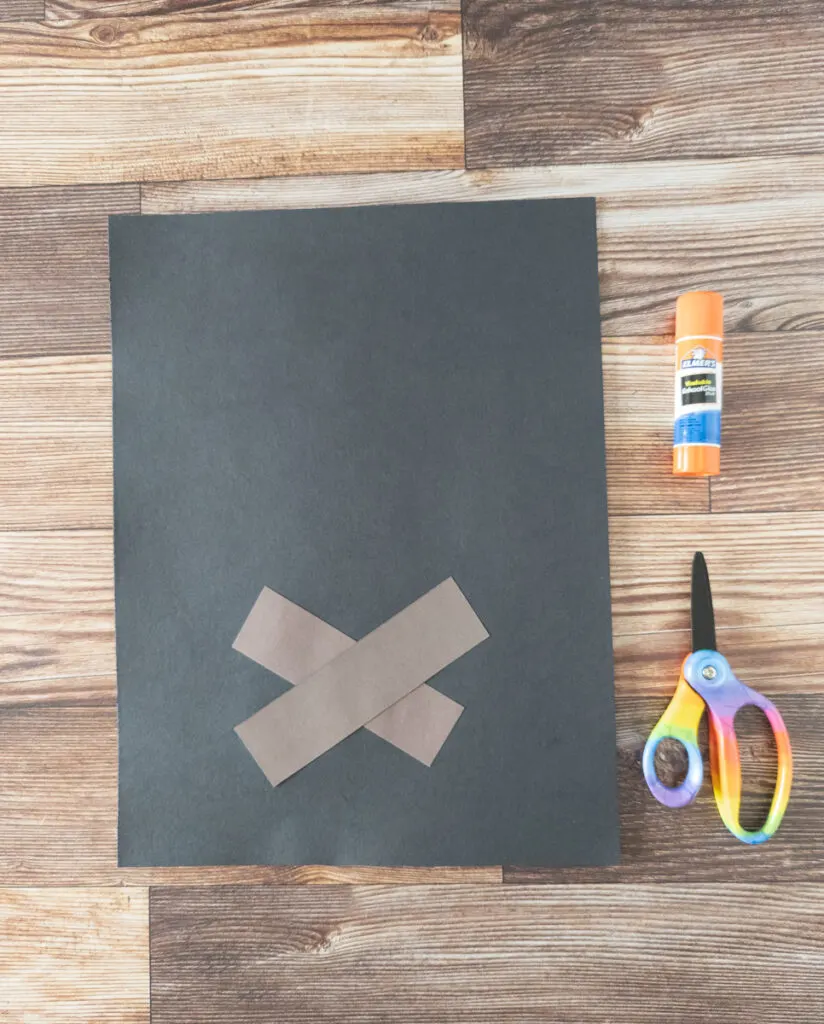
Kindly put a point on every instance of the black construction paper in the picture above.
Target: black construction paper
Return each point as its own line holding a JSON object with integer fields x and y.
{"x": 349, "y": 406}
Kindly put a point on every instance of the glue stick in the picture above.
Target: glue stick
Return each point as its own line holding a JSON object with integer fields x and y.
{"x": 699, "y": 349}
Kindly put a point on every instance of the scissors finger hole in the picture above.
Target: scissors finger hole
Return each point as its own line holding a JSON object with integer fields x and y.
{"x": 670, "y": 792}
{"x": 671, "y": 762}
{"x": 759, "y": 764}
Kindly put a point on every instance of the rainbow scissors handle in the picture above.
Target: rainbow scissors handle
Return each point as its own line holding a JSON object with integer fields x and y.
{"x": 707, "y": 680}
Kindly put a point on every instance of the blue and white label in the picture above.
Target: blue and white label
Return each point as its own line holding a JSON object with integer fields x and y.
{"x": 698, "y": 399}
{"x": 698, "y": 428}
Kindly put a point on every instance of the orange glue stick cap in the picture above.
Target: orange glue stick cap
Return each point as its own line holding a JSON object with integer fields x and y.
{"x": 696, "y": 460}
{"x": 699, "y": 315}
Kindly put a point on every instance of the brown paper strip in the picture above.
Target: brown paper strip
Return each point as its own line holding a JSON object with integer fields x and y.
{"x": 291, "y": 642}
{"x": 362, "y": 682}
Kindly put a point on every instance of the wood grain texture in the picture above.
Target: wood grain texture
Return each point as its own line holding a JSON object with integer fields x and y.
{"x": 58, "y": 808}
{"x": 50, "y": 571}
{"x": 748, "y": 228}
{"x": 43, "y": 645}
{"x": 562, "y": 81}
{"x": 54, "y": 265}
{"x": 74, "y": 955}
{"x": 772, "y": 455}
{"x": 584, "y": 954}
{"x": 29, "y": 690}
{"x": 218, "y": 95}
{"x": 21, "y": 10}
{"x": 747, "y": 178}
{"x": 55, "y": 396}
{"x": 773, "y": 659}
{"x": 56, "y": 615}
{"x": 766, "y": 569}
{"x": 58, "y": 483}
{"x": 55, "y": 442}
{"x": 63, "y": 10}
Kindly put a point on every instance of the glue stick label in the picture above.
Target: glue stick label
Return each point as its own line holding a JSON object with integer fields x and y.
{"x": 698, "y": 401}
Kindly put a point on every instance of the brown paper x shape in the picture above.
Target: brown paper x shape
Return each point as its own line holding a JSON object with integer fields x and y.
{"x": 342, "y": 685}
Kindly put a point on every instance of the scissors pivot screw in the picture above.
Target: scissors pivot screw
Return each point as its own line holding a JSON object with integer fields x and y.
{"x": 709, "y": 672}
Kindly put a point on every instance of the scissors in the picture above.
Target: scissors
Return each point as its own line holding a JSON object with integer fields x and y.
{"x": 708, "y": 681}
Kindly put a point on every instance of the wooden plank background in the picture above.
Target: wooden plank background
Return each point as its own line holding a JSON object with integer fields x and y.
{"x": 21, "y": 10}
{"x": 698, "y": 126}
{"x": 572, "y": 81}
{"x": 215, "y": 94}
{"x": 573, "y": 954}
{"x": 74, "y": 954}
{"x": 62, "y": 10}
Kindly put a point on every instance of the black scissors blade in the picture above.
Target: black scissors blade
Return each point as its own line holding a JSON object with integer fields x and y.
{"x": 703, "y": 617}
